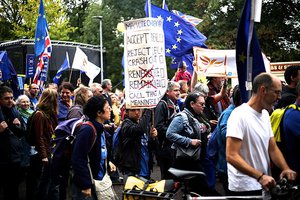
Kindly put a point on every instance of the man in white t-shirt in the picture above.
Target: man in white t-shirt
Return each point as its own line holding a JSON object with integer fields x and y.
{"x": 250, "y": 141}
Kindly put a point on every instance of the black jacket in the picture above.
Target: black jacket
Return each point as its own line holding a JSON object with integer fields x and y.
{"x": 10, "y": 144}
{"x": 130, "y": 148}
{"x": 164, "y": 113}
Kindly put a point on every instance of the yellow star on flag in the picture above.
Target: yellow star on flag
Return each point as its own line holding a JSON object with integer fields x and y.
{"x": 242, "y": 58}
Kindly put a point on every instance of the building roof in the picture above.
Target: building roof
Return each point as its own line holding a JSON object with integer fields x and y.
{"x": 53, "y": 42}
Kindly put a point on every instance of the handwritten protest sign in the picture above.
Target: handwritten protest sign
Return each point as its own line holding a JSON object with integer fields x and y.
{"x": 144, "y": 62}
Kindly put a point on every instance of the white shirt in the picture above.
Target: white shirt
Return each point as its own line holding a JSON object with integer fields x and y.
{"x": 254, "y": 129}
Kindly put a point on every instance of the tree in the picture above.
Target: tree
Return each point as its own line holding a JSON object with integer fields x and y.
{"x": 9, "y": 15}
{"x": 56, "y": 18}
{"x": 112, "y": 40}
{"x": 279, "y": 30}
{"x": 77, "y": 12}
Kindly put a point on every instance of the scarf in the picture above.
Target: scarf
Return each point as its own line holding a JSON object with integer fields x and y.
{"x": 25, "y": 113}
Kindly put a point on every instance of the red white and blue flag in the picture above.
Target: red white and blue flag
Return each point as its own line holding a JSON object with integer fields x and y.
{"x": 192, "y": 20}
{"x": 42, "y": 47}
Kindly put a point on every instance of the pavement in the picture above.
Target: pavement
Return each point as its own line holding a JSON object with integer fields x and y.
{"x": 118, "y": 187}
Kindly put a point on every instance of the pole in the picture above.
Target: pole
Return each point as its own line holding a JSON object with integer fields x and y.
{"x": 101, "y": 45}
{"x": 101, "y": 48}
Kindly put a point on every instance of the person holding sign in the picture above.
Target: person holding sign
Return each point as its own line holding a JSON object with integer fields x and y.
{"x": 136, "y": 144}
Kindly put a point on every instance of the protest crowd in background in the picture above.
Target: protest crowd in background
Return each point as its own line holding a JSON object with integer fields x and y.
{"x": 65, "y": 141}
{"x": 142, "y": 142}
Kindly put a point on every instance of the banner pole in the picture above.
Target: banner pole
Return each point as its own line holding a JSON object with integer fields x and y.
{"x": 70, "y": 76}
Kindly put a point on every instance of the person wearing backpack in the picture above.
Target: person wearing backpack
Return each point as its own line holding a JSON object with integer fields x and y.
{"x": 89, "y": 157}
{"x": 290, "y": 137}
{"x": 44, "y": 120}
{"x": 187, "y": 134}
{"x": 165, "y": 110}
{"x": 221, "y": 130}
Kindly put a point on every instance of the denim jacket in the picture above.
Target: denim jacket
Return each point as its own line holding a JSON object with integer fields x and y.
{"x": 180, "y": 124}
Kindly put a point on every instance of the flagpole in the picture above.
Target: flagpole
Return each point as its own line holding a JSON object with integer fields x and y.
{"x": 149, "y": 8}
{"x": 249, "y": 56}
{"x": 70, "y": 76}
{"x": 163, "y": 4}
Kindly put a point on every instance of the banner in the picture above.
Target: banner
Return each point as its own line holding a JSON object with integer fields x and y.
{"x": 30, "y": 68}
{"x": 218, "y": 63}
{"x": 144, "y": 61}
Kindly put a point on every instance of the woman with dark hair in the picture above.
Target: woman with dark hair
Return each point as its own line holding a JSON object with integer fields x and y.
{"x": 89, "y": 157}
{"x": 44, "y": 122}
{"x": 186, "y": 132}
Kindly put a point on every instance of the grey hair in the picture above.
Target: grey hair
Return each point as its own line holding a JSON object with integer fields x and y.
{"x": 105, "y": 82}
{"x": 94, "y": 87}
{"x": 201, "y": 88}
{"x": 171, "y": 85}
{"x": 21, "y": 97}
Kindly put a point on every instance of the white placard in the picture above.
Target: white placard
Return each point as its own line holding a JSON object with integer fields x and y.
{"x": 144, "y": 62}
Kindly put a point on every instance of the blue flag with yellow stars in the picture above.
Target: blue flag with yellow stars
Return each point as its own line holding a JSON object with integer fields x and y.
{"x": 254, "y": 58}
{"x": 180, "y": 35}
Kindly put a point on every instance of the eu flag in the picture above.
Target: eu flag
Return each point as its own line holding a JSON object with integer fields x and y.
{"x": 63, "y": 67}
{"x": 41, "y": 31}
{"x": 249, "y": 58}
{"x": 8, "y": 73}
{"x": 187, "y": 58}
{"x": 180, "y": 35}
{"x": 42, "y": 47}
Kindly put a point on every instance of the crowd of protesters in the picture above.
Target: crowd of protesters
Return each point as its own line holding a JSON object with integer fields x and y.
{"x": 184, "y": 120}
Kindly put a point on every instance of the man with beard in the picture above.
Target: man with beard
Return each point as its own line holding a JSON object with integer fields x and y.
{"x": 33, "y": 95}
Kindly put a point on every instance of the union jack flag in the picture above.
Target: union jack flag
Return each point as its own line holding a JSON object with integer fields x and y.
{"x": 42, "y": 47}
{"x": 193, "y": 20}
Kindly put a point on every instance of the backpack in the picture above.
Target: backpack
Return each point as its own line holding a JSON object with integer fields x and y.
{"x": 277, "y": 121}
{"x": 116, "y": 140}
{"x": 30, "y": 130}
{"x": 212, "y": 144}
{"x": 62, "y": 145}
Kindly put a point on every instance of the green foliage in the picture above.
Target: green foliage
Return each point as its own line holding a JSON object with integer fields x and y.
{"x": 76, "y": 12}
{"x": 22, "y": 16}
{"x": 278, "y": 31}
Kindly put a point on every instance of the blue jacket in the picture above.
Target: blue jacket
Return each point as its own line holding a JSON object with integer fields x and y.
{"x": 83, "y": 152}
{"x": 221, "y": 139}
{"x": 62, "y": 111}
{"x": 179, "y": 125}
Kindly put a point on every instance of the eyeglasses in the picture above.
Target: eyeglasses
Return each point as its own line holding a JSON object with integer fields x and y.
{"x": 202, "y": 104}
{"x": 278, "y": 92}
